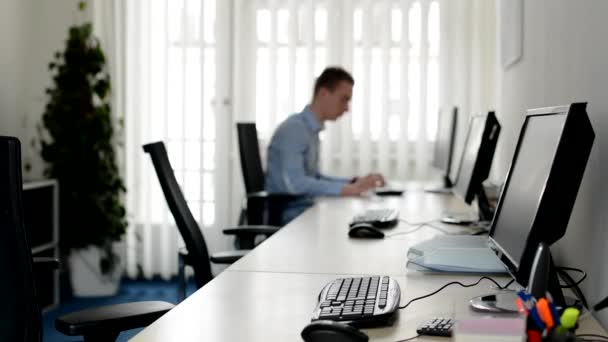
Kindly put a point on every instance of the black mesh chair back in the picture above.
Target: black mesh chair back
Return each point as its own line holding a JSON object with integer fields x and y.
{"x": 20, "y": 318}
{"x": 251, "y": 163}
{"x": 187, "y": 225}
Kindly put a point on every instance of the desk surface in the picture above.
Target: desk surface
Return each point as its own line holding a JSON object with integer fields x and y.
{"x": 318, "y": 242}
{"x": 270, "y": 293}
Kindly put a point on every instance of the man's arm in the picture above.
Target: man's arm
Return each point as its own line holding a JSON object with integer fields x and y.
{"x": 334, "y": 179}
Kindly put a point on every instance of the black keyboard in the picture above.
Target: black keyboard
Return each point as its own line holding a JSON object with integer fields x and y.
{"x": 365, "y": 301}
{"x": 380, "y": 218}
{"x": 436, "y": 327}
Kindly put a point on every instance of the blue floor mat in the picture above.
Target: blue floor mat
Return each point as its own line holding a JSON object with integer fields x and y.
{"x": 130, "y": 291}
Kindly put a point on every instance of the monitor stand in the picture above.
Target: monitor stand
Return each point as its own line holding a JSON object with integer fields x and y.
{"x": 505, "y": 300}
{"x": 446, "y": 189}
{"x": 486, "y": 213}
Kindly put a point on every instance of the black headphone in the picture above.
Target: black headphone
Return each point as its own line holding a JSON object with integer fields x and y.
{"x": 330, "y": 331}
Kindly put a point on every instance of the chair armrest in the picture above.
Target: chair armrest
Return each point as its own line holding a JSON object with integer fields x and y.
{"x": 45, "y": 263}
{"x": 111, "y": 318}
{"x": 228, "y": 257}
{"x": 251, "y": 230}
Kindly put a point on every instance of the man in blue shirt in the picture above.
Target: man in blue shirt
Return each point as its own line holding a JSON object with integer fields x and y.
{"x": 293, "y": 153}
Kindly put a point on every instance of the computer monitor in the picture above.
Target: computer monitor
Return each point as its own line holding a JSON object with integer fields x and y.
{"x": 541, "y": 187}
{"x": 443, "y": 153}
{"x": 475, "y": 165}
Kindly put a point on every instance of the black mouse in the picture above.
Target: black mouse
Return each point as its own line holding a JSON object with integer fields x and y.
{"x": 330, "y": 331}
{"x": 365, "y": 230}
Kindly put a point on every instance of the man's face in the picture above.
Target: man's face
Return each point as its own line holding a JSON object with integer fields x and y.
{"x": 336, "y": 102}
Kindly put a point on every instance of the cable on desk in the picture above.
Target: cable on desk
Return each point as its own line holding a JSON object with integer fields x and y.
{"x": 428, "y": 224}
{"x": 409, "y": 339}
{"x": 417, "y": 223}
{"x": 583, "y": 277}
{"x": 573, "y": 285}
{"x": 420, "y": 226}
{"x": 454, "y": 283}
{"x": 508, "y": 284}
{"x": 406, "y": 232}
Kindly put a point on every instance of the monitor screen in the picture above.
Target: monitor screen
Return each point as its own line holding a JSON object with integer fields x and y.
{"x": 477, "y": 155}
{"x": 528, "y": 176}
{"x": 541, "y": 186}
{"x": 444, "y": 143}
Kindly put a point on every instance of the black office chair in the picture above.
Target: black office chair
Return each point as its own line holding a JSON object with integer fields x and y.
{"x": 195, "y": 254}
{"x": 263, "y": 208}
{"x": 20, "y": 318}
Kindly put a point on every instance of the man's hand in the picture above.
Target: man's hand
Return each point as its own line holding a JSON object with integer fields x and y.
{"x": 363, "y": 184}
{"x": 376, "y": 178}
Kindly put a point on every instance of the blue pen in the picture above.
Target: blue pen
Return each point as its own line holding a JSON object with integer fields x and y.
{"x": 536, "y": 318}
{"x": 528, "y": 301}
{"x": 553, "y": 310}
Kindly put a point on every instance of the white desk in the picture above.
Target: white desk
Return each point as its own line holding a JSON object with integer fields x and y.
{"x": 269, "y": 294}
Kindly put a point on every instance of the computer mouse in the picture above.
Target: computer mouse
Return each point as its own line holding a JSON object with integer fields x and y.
{"x": 365, "y": 230}
{"x": 330, "y": 331}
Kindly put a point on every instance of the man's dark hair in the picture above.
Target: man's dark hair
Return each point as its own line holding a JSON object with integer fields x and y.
{"x": 330, "y": 77}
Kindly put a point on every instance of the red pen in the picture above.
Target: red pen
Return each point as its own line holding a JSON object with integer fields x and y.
{"x": 534, "y": 336}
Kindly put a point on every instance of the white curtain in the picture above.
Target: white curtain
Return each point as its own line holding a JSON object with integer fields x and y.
{"x": 469, "y": 66}
{"x": 185, "y": 71}
{"x": 392, "y": 49}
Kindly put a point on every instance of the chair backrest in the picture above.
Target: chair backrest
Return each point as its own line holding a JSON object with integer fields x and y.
{"x": 20, "y": 318}
{"x": 186, "y": 224}
{"x": 251, "y": 162}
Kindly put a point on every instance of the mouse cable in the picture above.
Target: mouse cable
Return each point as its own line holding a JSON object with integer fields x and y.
{"x": 417, "y": 228}
{"x": 417, "y": 223}
{"x": 420, "y": 226}
{"x": 409, "y": 338}
{"x": 455, "y": 283}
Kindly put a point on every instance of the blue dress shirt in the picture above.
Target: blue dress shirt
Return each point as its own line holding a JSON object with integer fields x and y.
{"x": 293, "y": 163}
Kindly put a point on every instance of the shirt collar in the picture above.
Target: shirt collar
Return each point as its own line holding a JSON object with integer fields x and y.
{"x": 311, "y": 119}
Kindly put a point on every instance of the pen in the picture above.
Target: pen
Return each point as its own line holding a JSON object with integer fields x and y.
{"x": 553, "y": 310}
{"x": 536, "y": 318}
{"x": 544, "y": 311}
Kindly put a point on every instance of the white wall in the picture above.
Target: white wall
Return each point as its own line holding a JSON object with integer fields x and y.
{"x": 13, "y": 47}
{"x": 30, "y": 32}
{"x": 566, "y": 60}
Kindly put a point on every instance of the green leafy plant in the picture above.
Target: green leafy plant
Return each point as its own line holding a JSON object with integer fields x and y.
{"x": 78, "y": 143}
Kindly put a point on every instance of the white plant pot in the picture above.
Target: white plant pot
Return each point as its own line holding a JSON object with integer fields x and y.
{"x": 86, "y": 277}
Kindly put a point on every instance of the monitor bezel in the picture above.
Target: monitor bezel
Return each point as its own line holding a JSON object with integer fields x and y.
{"x": 484, "y": 157}
{"x": 576, "y": 122}
{"x": 451, "y": 141}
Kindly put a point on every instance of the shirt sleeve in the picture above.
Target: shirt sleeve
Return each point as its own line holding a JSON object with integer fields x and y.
{"x": 291, "y": 150}
{"x": 334, "y": 179}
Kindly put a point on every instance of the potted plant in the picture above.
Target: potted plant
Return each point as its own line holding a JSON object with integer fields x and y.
{"x": 77, "y": 142}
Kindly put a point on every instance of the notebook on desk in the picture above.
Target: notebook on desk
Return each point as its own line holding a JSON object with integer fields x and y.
{"x": 455, "y": 253}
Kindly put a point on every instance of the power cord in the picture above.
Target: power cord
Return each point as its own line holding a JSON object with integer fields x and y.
{"x": 409, "y": 339}
{"x": 573, "y": 284}
{"x": 455, "y": 283}
{"x": 421, "y": 225}
{"x": 583, "y": 277}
